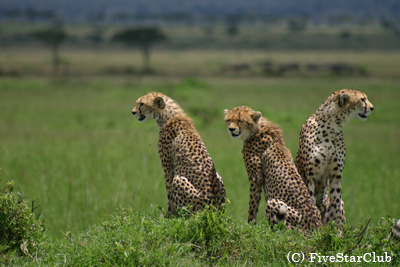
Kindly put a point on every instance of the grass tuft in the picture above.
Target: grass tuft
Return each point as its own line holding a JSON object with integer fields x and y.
{"x": 21, "y": 230}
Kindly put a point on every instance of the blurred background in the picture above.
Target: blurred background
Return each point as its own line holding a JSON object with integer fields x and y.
{"x": 70, "y": 72}
{"x": 94, "y": 37}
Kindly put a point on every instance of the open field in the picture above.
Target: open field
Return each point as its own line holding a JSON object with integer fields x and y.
{"x": 72, "y": 145}
{"x": 80, "y": 61}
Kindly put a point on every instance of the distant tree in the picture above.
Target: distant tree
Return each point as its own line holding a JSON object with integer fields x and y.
{"x": 345, "y": 35}
{"x": 144, "y": 38}
{"x": 53, "y": 37}
{"x": 386, "y": 24}
{"x": 232, "y": 22}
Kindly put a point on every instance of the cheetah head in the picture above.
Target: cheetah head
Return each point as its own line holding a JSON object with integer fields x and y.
{"x": 242, "y": 122}
{"x": 354, "y": 103}
{"x": 148, "y": 106}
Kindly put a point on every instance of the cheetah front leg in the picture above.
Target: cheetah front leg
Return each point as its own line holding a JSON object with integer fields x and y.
{"x": 255, "y": 198}
{"x": 168, "y": 185}
{"x": 253, "y": 167}
{"x": 340, "y": 214}
{"x": 335, "y": 205}
{"x": 278, "y": 211}
{"x": 185, "y": 194}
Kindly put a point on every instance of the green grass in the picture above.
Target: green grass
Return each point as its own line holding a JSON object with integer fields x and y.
{"x": 129, "y": 238}
{"x": 73, "y": 146}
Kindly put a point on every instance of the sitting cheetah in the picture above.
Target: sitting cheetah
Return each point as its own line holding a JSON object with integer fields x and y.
{"x": 270, "y": 165}
{"x": 190, "y": 176}
{"x": 321, "y": 153}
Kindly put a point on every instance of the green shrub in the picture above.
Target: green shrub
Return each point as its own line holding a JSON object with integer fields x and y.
{"x": 20, "y": 229}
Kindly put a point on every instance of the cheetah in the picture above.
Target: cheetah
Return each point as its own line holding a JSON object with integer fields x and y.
{"x": 190, "y": 176}
{"x": 270, "y": 165}
{"x": 321, "y": 154}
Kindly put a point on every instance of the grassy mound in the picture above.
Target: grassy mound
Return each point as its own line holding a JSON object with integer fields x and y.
{"x": 211, "y": 238}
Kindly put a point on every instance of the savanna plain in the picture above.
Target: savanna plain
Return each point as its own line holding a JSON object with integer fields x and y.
{"x": 71, "y": 144}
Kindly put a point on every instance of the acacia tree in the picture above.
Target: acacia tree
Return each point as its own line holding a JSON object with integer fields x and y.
{"x": 144, "y": 38}
{"x": 53, "y": 37}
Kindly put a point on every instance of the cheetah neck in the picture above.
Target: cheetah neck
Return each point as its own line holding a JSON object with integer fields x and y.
{"x": 168, "y": 113}
{"x": 255, "y": 130}
{"x": 266, "y": 127}
{"x": 330, "y": 114}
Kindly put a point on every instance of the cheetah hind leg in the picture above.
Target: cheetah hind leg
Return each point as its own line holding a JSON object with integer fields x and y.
{"x": 186, "y": 195}
{"x": 279, "y": 211}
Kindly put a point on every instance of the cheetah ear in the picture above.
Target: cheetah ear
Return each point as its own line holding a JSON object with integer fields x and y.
{"x": 256, "y": 116}
{"x": 159, "y": 101}
{"x": 226, "y": 111}
{"x": 343, "y": 99}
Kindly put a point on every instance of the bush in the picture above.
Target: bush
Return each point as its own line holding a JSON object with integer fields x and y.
{"x": 20, "y": 229}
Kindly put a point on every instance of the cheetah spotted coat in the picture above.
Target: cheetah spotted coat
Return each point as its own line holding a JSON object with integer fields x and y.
{"x": 321, "y": 154}
{"x": 190, "y": 176}
{"x": 270, "y": 166}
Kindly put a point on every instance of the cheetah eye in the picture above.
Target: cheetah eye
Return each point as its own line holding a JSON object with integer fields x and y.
{"x": 363, "y": 99}
{"x": 239, "y": 121}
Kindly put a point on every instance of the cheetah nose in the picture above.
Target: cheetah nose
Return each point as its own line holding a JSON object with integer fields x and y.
{"x": 371, "y": 108}
{"x": 134, "y": 113}
{"x": 232, "y": 129}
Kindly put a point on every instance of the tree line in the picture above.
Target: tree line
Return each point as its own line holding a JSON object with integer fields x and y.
{"x": 144, "y": 38}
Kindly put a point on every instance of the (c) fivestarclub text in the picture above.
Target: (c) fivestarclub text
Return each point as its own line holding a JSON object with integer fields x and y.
{"x": 299, "y": 257}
